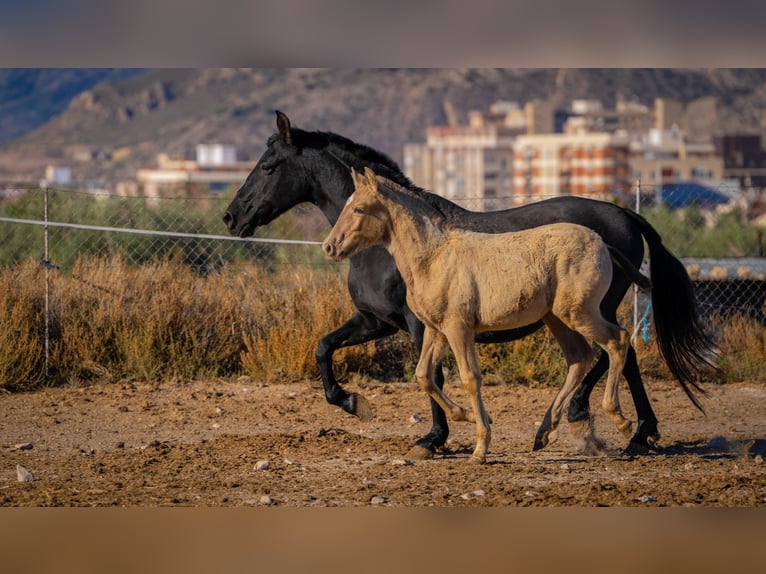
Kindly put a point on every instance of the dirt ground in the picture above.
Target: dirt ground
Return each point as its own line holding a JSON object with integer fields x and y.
{"x": 241, "y": 443}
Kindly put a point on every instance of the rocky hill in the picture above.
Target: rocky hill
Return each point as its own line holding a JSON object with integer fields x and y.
{"x": 29, "y": 97}
{"x": 121, "y": 125}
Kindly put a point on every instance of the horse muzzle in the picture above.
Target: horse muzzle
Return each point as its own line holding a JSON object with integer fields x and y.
{"x": 333, "y": 250}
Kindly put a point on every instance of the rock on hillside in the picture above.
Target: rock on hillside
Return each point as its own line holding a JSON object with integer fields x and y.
{"x": 127, "y": 122}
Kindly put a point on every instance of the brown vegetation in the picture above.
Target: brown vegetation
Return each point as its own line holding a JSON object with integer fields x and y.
{"x": 114, "y": 321}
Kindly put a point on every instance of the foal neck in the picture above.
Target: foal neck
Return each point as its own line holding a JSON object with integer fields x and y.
{"x": 414, "y": 237}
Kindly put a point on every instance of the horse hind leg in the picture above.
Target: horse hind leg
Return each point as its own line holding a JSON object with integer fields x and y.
{"x": 611, "y": 402}
{"x": 615, "y": 341}
{"x": 578, "y": 355}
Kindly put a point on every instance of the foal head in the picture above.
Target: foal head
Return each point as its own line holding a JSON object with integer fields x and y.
{"x": 364, "y": 221}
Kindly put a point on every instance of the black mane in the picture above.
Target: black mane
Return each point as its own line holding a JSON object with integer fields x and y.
{"x": 357, "y": 155}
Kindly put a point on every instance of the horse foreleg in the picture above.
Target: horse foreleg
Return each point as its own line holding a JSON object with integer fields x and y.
{"x": 434, "y": 347}
{"x": 463, "y": 347}
{"x": 360, "y": 328}
{"x": 426, "y": 446}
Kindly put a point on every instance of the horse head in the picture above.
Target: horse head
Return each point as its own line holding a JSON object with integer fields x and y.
{"x": 275, "y": 185}
{"x": 363, "y": 222}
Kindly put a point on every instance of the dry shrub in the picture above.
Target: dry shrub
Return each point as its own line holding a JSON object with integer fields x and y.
{"x": 296, "y": 310}
{"x": 743, "y": 348}
{"x": 22, "y": 300}
{"x": 110, "y": 320}
{"x": 535, "y": 360}
{"x": 154, "y": 321}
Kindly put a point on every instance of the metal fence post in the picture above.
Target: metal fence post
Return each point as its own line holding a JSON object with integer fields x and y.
{"x": 635, "y": 287}
{"x": 46, "y": 260}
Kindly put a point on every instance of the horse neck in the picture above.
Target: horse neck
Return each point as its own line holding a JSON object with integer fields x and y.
{"x": 335, "y": 186}
{"x": 412, "y": 241}
{"x": 330, "y": 188}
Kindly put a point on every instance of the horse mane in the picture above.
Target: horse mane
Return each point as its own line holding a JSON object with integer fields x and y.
{"x": 358, "y": 155}
{"x": 410, "y": 200}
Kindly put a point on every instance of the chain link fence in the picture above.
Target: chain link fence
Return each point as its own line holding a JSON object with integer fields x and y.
{"x": 712, "y": 231}
{"x": 60, "y": 226}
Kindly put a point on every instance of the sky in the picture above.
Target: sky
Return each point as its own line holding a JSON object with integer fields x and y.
{"x": 347, "y": 33}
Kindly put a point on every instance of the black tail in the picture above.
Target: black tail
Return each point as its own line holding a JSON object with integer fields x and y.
{"x": 688, "y": 351}
{"x": 629, "y": 269}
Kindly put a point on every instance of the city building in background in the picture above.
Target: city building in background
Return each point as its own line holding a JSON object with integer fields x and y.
{"x": 215, "y": 170}
{"x": 512, "y": 154}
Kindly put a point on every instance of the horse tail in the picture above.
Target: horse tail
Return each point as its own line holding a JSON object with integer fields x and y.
{"x": 687, "y": 349}
{"x": 630, "y": 270}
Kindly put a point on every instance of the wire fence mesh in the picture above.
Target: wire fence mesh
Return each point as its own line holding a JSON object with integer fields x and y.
{"x": 65, "y": 228}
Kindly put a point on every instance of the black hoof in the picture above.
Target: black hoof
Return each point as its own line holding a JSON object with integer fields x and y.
{"x": 431, "y": 442}
{"x": 540, "y": 443}
{"x": 645, "y": 439}
{"x": 358, "y": 406}
{"x": 577, "y": 410}
{"x": 418, "y": 452}
{"x": 637, "y": 448}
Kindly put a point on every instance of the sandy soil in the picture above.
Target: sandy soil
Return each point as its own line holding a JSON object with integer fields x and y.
{"x": 241, "y": 443}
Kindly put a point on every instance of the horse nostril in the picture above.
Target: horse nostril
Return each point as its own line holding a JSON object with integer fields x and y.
{"x": 228, "y": 219}
{"x": 328, "y": 249}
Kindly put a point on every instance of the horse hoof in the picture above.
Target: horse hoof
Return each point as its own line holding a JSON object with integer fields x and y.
{"x": 593, "y": 446}
{"x": 419, "y": 453}
{"x": 362, "y": 408}
{"x": 475, "y": 459}
{"x": 626, "y": 429}
{"x": 637, "y": 448}
{"x": 580, "y": 427}
{"x": 540, "y": 442}
{"x": 463, "y": 416}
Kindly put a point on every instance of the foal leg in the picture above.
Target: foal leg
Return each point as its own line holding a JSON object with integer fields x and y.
{"x": 615, "y": 341}
{"x": 426, "y": 446}
{"x": 463, "y": 347}
{"x": 617, "y": 349}
{"x": 646, "y": 433}
{"x": 578, "y": 355}
{"x": 434, "y": 348}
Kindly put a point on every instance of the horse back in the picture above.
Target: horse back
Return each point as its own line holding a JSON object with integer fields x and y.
{"x": 507, "y": 280}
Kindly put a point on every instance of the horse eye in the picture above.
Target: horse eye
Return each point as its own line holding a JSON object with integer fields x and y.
{"x": 359, "y": 210}
{"x": 270, "y": 165}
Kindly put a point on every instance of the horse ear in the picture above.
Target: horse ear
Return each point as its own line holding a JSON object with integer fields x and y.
{"x": 356, "y": 178}
{"x": 369, "y": 175}
{"x": 283, "y": 125}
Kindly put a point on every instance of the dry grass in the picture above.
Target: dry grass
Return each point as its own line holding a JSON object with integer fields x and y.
{"x": 114, "y": 321}
{"x": 296, "y": 310}
{"x": 743, "y": 348}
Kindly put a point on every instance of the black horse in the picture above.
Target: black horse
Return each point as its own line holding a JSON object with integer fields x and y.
{"x": 300, "y": 166}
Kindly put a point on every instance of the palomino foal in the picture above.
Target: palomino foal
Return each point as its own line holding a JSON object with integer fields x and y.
{"x": 460, "y": 282}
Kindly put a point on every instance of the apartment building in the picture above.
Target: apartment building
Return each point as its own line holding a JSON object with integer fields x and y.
{"x": 588, "y": 164}
{"x": 510, "y": 155}
{"x": 663, "y": 156}
{"x": 472, "y": 165}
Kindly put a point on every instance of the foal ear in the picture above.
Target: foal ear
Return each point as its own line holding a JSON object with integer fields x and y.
{"x": 283, "y": 125}
{"x": 369, "y": 175}
{"x": 356, "y": 178}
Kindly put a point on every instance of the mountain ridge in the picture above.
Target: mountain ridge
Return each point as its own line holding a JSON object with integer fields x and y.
{"x": 125, "y": 121}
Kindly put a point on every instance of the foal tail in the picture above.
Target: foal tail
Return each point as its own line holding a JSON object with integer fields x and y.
{"x": 689, "y": 352}
{"x": 630, "y": 270}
